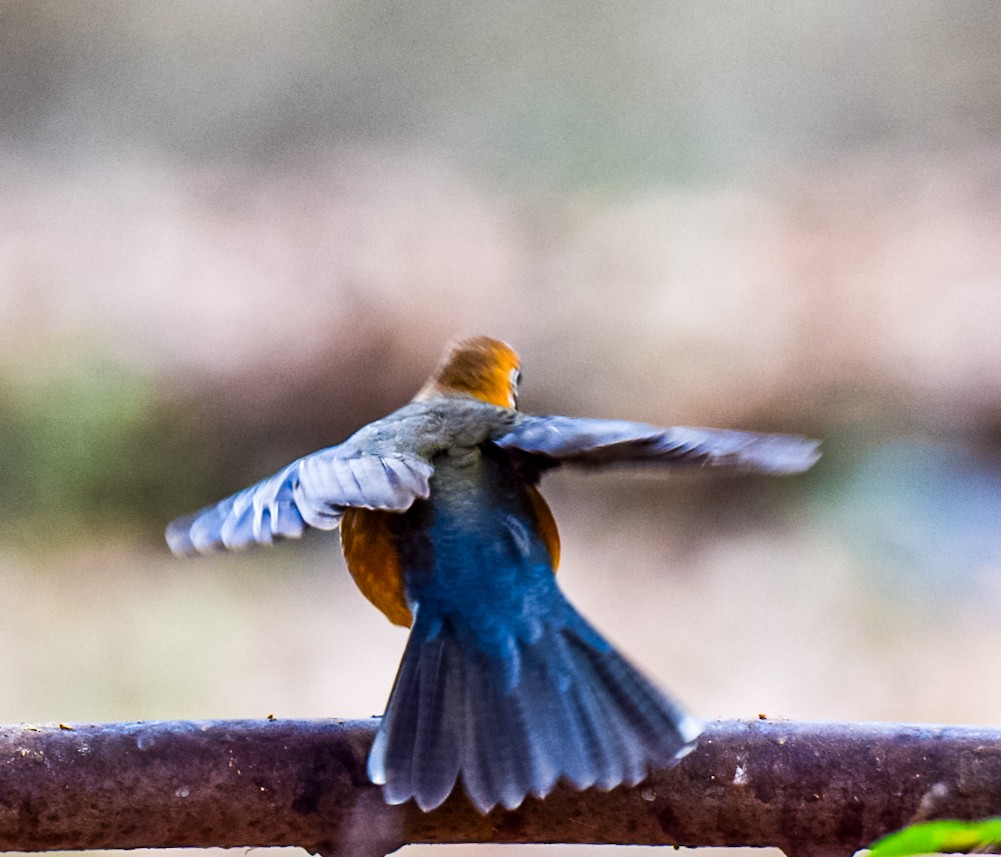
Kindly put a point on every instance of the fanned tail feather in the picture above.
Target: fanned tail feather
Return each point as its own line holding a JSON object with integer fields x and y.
{"x": 578, "y": 712}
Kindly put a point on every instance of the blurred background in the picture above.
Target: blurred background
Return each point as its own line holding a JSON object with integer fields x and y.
{"x": 231, "y": 233}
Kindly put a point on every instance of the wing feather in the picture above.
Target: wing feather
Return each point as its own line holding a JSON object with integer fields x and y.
{"x": 595, "y": 442}
{"x": 313, "y": 492}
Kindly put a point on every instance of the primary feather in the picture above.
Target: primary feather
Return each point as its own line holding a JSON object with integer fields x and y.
{"x": 597, "y": 442}
{"x": 313, "y": 491}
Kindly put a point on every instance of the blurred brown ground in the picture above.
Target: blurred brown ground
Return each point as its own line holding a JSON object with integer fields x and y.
{"x": 229, "y": 236}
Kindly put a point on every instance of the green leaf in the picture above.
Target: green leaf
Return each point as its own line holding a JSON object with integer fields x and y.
{"x": 940, "y": 837}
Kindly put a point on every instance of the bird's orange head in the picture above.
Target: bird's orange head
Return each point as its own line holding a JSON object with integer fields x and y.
{"x": 484, "y": 368}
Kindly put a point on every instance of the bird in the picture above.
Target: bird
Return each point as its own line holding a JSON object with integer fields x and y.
{"x": 503, "y": 686}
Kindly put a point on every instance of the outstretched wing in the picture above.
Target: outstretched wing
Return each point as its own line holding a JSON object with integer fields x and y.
{"x": 595, "y": 442}
{"x": 313, "y": 491}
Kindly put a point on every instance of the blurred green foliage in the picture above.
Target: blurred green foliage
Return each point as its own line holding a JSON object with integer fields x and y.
{"x": 91, "y": 446}
{"x": 940, "y": 837}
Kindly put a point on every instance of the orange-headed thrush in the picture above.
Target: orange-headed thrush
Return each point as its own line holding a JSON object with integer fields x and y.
{"x": 503, "y": 684}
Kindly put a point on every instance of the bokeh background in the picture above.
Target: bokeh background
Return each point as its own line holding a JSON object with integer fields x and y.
{"x": 231, "y": 233}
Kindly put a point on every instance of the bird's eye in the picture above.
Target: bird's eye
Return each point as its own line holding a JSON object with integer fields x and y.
{"x": 515, "y": 381}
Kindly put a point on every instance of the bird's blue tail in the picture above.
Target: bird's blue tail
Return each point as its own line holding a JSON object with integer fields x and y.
{"x": 564, "y": 705}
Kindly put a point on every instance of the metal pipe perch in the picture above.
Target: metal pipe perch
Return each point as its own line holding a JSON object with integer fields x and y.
{"x": 807, "y": 788}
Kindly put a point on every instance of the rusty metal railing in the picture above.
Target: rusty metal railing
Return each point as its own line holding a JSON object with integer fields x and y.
{"x": 807, "y": 788}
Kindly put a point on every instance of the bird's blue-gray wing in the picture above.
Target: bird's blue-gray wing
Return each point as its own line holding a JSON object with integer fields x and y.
{"x": 557, "y": 440}
{"x": 313, "y": 491}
